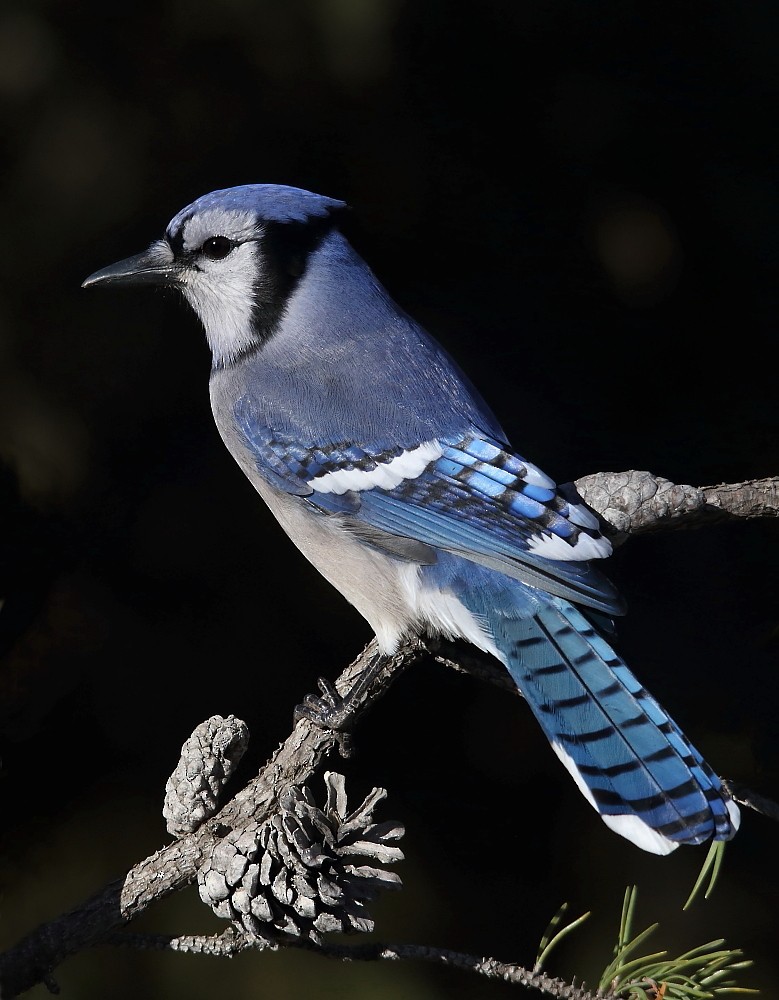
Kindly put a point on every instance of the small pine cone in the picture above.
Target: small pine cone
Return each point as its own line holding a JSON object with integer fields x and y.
{"x": 293, "y": 874}
{"x": 208, "y": 759}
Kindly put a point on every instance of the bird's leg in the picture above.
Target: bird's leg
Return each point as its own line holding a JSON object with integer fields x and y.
{"x": 333, "y": 711}
{"x": 337, "y": 712}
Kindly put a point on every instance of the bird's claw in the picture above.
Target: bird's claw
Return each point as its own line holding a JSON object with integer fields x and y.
{"x": 329, "y": 711}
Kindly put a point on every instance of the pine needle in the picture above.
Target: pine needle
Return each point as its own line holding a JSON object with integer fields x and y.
{"x": 550, "y": 939}
{"x": 711, "y": 868}
{"x": 701, "y": 973}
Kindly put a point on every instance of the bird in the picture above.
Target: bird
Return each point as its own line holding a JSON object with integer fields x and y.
{"x": 388, "y": 470}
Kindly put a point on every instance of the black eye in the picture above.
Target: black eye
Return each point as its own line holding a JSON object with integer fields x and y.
{"x": 217, "y": 247}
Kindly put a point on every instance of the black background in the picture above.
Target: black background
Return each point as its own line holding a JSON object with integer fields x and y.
{"x": 580, "y": 201}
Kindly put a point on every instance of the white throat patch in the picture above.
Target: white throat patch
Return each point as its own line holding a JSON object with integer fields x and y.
{"x": 222, "y": 294}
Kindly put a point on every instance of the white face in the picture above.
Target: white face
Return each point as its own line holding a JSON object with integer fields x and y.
{"x": 221, "y": 283}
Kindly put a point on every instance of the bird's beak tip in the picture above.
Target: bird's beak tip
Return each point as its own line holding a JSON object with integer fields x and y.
{"x": 152, "y": 267}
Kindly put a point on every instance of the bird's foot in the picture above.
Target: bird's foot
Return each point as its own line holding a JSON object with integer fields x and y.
{"x": 330, "y": 711}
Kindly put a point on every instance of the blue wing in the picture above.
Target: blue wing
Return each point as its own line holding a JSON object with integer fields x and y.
{"x": 464, "y": 493}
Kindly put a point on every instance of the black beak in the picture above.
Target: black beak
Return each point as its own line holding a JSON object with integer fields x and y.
{"x": 154, "y": 266}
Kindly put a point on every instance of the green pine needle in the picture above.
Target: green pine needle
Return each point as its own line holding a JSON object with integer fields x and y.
{"x": 550, "y": 939}
{"x": 706, "y": 972}
{"x": 711, "y": 868}
{"x": 702, "y": 973}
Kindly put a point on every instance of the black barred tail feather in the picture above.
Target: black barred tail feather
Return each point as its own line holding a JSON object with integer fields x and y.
{"x": 628, "y": 757}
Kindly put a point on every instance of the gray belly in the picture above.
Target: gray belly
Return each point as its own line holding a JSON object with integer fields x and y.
{"x": 381, "y": 587}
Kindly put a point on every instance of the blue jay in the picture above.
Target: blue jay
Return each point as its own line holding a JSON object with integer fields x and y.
{"x": 392, "y": 476}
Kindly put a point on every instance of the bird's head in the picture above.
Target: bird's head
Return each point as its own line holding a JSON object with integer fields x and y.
{"x": 236, "y": 255}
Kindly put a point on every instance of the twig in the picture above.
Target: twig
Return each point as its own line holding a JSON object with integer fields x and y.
{"x": 746, "y": 797}
{"x": 233, "y": 943}
{"x": 225, "y": 945}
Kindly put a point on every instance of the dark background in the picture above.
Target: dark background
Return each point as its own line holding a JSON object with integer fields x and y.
{"x": 580, "y": 201}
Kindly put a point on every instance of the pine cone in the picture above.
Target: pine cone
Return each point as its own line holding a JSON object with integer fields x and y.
{"x": 292, "y": 875}
{"x": 208, "y": 759}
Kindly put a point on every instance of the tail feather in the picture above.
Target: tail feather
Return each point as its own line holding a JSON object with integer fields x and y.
{"x": 628, "y": 757}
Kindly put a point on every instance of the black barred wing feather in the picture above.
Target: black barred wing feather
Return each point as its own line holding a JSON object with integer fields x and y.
{"x": 465, "y": 494}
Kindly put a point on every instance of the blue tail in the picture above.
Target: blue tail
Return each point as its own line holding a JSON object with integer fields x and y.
{"x": 627, "y": 756}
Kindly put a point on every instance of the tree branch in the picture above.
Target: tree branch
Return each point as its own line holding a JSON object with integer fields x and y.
{"x": 630, "y": 503}
{"x": 232, "y": 942}
{"x": 175, "y": 866}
